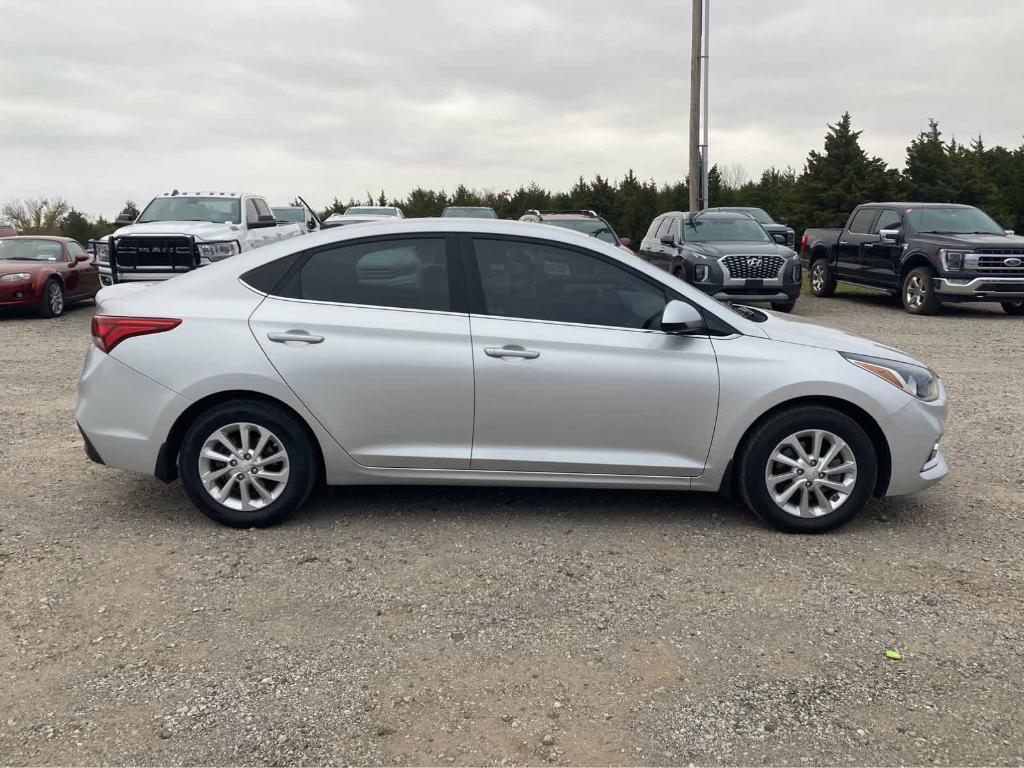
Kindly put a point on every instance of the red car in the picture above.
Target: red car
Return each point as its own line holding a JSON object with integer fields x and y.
{"x": 45, "y": 273}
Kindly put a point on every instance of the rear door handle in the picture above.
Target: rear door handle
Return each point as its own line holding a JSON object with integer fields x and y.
{"x": 512, "y": 350}
{"x": 295, "y": 335}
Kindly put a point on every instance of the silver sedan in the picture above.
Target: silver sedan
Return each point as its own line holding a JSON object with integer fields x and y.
{"x": 467, "y": 351}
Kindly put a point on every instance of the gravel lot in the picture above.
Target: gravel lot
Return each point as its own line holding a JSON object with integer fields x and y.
{"x": 483, "y": 626}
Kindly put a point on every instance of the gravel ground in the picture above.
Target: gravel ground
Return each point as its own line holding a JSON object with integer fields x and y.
{"x": 494, "y": 626}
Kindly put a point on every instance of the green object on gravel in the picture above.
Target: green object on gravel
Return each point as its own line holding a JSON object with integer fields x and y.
{"x": 894, "y": 655}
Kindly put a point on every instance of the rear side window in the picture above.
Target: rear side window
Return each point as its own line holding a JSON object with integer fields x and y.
{"x": 267, "y": 278}
{"x": 410, "y": 273}
{"x": 889, "y": 219}
{"x": 862, "y": 220}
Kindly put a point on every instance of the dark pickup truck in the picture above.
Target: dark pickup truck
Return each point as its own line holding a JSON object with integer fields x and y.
{"x": 928, "y": 253}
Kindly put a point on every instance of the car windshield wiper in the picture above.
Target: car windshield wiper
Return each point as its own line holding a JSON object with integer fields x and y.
{"x": 20, "y": 258}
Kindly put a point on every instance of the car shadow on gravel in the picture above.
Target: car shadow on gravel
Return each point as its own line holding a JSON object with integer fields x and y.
{"x": 884, "y": 301}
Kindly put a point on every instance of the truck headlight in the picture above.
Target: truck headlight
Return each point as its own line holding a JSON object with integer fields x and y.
{"x": 797, "y": 275}
{"x": 15, "y": 277}
{"x": 952, "y": 261}
{"x": 915, "y": 380}
{"x": 218, "y": 251}
{"x": 102, "y": 252}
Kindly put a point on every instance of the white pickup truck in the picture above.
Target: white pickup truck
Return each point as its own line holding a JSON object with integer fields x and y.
{"x": 180, "y": 231}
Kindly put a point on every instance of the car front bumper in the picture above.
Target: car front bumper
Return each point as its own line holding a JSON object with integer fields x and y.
{"x": 20, "y": 294}
{"x": 913, "y": 435}
{"x": 980, "y": 288}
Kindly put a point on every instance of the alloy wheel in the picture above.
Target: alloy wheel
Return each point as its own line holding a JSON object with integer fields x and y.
{"x": 916, "y": 292}
{"x": 818, "y": 277}
{"x": 811, "y": 473}
{"x": 55, "y": 297}
{"x": 244, "y": 467}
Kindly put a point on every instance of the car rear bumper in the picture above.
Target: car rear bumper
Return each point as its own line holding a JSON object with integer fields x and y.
{"x": 124, "y": 416}
{"x": 981, "y": 288}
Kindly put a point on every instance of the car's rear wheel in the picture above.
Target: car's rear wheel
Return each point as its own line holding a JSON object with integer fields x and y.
{"x": 918, "y": 292}
{"x": 52, "y": 303}
{"x": 822, "y": 279}
{"x": 1013, "y": 307}
{"x": 247, "y": 464}
{"x": 783, "y": 306}
{"x": 807, "y": 470}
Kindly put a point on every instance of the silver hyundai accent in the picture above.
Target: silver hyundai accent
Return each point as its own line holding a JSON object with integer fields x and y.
{"x": 467, "y": 351}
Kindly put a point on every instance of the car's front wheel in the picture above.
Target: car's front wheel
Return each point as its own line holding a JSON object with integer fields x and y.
{"x": 247, "y": 464}
{"x": 918, "y": 292}
{"x": 1013, "y": 307}
{"x": 807, "y": 470}
{"x": 52, "y": 303}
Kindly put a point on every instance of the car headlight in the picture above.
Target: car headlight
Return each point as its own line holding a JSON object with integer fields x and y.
{"x": 797, "y": 275}
{"x": 701, "y": 272}
{"x": 102, "y": 252}
{"x": 952, "y": 261}
{"x": 218, "y": 251}
{"x": 915, "y": 380}
{"x": 15, "y": 277}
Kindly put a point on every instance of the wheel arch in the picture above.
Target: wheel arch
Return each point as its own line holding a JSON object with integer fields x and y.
{"x": 913, "y": 261}
{"x": 167, "y": 460}
{"x": 819, "y": 251}
{"x": 865, "y": 420}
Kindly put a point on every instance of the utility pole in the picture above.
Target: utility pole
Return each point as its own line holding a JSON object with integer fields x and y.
{"x": 706, "y": 67}
{"x": 696, "y": 176}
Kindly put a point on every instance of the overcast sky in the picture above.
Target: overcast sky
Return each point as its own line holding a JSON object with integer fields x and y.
{"x": 106, "y": 100}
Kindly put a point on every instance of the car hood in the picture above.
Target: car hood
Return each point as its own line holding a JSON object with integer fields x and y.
{"x": 973, "y": 241}
{"x": 717, "y": 249}
{"x": 796, "y": 330}
{"x": 9, "y": 266}
{"x": 777, "y": 227}
{"x": 203, "y": 230}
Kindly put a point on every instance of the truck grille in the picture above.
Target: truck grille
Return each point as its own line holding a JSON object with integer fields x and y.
{"x": 753, "y": 267}
{"x": 992, "y": 260}
{"x": 175, "y": 253}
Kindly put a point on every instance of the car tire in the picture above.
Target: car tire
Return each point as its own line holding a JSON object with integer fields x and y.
{"x": 52, "y": 303}
{"x": 822, "y": 278}
{"x": 918, "y": 292}
{"x": 270, "y": 450}
{"x": 783, "y": 306}
{"x": 791, "y": 506}
{"x": 1013, "y": 307}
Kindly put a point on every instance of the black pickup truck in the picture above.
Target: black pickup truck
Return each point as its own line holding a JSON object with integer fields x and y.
{"x": 928, "y": 253}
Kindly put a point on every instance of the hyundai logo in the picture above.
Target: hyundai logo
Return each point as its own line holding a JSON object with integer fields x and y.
{"x": 1014, "y": 262}
{"x": 754, "y": 262}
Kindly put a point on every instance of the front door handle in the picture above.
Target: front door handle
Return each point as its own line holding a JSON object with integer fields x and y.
{"x": 303, "y": 337}
{"x": 844, "y": 242}
{"x": 512, "y": 350}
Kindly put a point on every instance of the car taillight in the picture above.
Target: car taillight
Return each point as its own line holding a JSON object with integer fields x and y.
{"x": 109, "y": 331}
{"x": 803, "y": 245}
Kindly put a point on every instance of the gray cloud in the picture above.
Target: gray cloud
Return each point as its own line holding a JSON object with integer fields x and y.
{"x": 108, "y": 100}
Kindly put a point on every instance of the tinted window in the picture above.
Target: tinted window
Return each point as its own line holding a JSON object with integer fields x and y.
{"x": 543, "y": 282}
{"x": 266, "y": 278}
{"x": 889, "y": 219}
{"x": 410, "y": 273}
{"x": 862, "y": 220}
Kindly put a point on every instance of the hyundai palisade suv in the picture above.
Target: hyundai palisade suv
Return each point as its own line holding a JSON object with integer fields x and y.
{"x": 727, "y": 255}
{"x": 465, "y": 351}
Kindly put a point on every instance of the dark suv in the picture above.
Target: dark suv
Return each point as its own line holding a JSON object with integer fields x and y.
{"x": 778, "y": 230}
{"x": 587, "y": 222}
{"x": 727, "y": 255}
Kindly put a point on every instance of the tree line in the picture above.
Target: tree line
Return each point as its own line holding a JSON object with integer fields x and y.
{"x": 832, "y": 182}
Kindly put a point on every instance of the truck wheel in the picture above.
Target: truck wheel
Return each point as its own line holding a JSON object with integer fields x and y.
{"x": 1013, "y": 307}
{"x": 52, "y": 303}
{"x": 783, "y": 306}
{"x": 918, "y": 292}
{"x": 823, "y": 282}
{"x": 247, "y": 463}
{"x": 809, "y": 469}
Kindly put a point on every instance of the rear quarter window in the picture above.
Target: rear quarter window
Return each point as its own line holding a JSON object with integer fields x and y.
{"x": 267, "y": 278}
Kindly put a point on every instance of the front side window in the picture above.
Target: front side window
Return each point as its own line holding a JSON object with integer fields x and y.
{"x": 409, "y": 273}
{"x": 187, "y": 208}
{"x": 544, "y": 282}
{"x": 75, "y": 250}
{"x": 653, "y": 229}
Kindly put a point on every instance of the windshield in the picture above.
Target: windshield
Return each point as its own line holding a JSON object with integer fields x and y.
{"x": 951, "y": 221}
{"x": 594, "y": 227}
{"x": 760, "y": 216}
{"x": 181, "y": 208}
{"x": 289, "y": 214}
{"x": 469, "y": 213}
{"x": 708, "y": 230}
{"x": 366, "y": 210}
{"x": 31, "y": 250}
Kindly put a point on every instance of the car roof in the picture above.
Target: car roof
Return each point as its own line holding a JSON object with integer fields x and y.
{"x": 233, "y": 195}
{"x": 54, "y": 238}
{"x": 916, "y": 205}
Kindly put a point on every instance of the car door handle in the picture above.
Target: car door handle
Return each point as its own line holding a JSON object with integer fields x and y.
{"x": 512, "y": 350}
{"x": 304, "y": 337}
{"x": 844, "y": 242}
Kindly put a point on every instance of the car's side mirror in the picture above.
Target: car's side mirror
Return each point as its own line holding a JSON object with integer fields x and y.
{"x": 82, "y": 257}
{"x": 311, "y": 224}
{"x": 263, "y": 221}
{"x": 625, "y": 242}
{"x": 1010, "y": 233}
{"x": 124, "y": 219}
{"x": 668, "y": 239}
{"x": 784, "y": 222}
{"x": 680, "y": 317}
{"x": 779, "y": 237}
{"x": 889, "y": 235}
